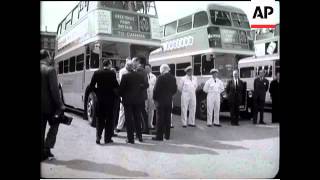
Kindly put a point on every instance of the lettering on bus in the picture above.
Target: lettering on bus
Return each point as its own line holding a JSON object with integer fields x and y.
{"x": 124, "y": 21}
{"x": 131, "y": 35}
{"x": 178, "y": 43}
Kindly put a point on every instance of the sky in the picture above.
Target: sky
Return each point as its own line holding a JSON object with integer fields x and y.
{"x": 52, "y": 12}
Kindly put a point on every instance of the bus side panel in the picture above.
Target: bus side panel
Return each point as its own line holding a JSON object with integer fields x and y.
{"x": 72, "y": 89}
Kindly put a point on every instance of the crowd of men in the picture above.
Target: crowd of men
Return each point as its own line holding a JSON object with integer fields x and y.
{"x": 137, "y": 94}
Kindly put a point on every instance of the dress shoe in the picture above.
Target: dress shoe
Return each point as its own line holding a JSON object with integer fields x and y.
{"x": 97, "y": 141}
{"x": 108, "y": 141}
{"x": 140, "y": 140}
{"x": 117, "y": 130}
{"x": 254, "y": 122}
{"x": 209, "y": 125}
{"x": 184, "y": 126}
{"x": 218, "y": 125}
{"x": 191, "y": 125}
{"x": 130, "y": 142}
{"x": 156, "y": 139}
{"x": 262, "y": 122}
{"x": 171, "y": 126}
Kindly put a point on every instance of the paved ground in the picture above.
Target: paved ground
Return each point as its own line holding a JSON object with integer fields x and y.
{"x": 245, "y": 151}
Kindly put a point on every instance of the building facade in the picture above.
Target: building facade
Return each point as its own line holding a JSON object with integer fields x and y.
{"x": 48, "y": 41}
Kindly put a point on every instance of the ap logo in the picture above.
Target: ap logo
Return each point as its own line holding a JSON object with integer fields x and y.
{"x": 262, "y": 13}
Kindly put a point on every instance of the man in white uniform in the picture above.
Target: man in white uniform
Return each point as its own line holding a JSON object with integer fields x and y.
{"x": 188, "y": 88}
{"x": 121, "y": 111}
{"x": 150, "y": 107}
{"x": 213, "y": 87}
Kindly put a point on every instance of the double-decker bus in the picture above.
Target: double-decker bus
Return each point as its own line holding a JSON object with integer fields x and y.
{"x": 94, "y": 29}
{"x": 215, "y": 37}
{"x": 267, "y": 48}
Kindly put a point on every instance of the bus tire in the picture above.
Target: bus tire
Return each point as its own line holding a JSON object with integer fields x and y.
{"x": 91, "y": 109}
{"x": 245, "y": 115}
{"x": 201, "y": 110}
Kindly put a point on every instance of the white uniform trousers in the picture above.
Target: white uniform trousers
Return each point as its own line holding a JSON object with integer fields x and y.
{"x": 188, "y": 102}
{"x": 121, "y": 117}
{"x": 150, "y": 107}
{"x": 213, "y": 104}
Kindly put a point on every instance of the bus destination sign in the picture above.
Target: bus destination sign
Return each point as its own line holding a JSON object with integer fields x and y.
{"x": 130, "y": 26}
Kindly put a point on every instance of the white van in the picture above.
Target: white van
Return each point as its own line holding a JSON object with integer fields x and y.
{"x": 249, "y": 68}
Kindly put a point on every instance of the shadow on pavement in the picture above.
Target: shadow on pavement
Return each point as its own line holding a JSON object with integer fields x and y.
{"x": 85, "y": 165}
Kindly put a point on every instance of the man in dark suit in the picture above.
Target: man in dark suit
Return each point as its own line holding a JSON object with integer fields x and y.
{"x": 131, "y": 90}
{"x": 140, "y": 69}
{"x": 50, "y": 104}
{"x": 261, "y": 85}
{"x": 275, "y": 97}
{"x": 107, "y": 86}
{"x": 234, "y": 91}
{"x": 164, "y": 89}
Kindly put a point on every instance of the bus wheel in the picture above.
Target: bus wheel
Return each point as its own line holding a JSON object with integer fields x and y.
{"x": 245, "y": 115}
{"x": 202, "y": 107}
{"x": 91, "y": 109}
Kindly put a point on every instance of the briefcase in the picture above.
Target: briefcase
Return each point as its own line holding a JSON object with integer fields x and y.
{"x": 62, "y": 118}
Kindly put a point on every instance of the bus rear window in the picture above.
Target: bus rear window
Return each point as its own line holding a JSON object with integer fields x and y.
{"x": 180, "y": 69}
{"x": 65, "y": 66}
{"x": 94, "y": 61}
{"x": 72, "y": 64}
{"x": 156, "y": 70}
{"x": 247, "y": 72}
{"x": 80, "y": 61}
{"x": 60, "y": 67}
{"x": 220, "y": 18}
{"x": 172, "y": 69}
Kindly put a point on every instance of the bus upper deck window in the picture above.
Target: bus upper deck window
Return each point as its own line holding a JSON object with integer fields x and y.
{"x": 200, "y": 19}
{"x": 170, "y": 28}
{"x": 220, "y": 17}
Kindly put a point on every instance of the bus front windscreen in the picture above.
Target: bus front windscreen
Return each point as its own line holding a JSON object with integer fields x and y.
{"x": 220, "y": 17}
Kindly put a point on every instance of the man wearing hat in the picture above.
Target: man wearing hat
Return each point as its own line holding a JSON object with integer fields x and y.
{"x": 188, "y": 88}
{"x": 213, "y": 87}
